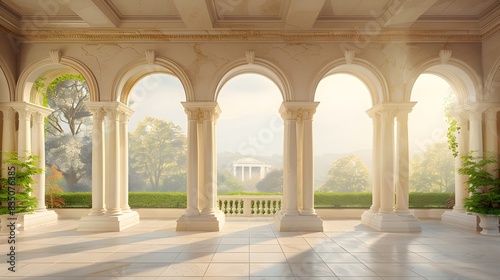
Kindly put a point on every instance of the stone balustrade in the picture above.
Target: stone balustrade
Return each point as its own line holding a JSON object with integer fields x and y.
{"x": 249, "y": 206}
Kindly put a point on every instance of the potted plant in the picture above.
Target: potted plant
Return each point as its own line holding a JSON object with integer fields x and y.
{"x": 16, "y": 186}
{"x": 484, "y": 189}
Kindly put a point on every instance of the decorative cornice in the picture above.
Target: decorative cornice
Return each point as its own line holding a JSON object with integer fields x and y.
{"x": 354, "y": 36}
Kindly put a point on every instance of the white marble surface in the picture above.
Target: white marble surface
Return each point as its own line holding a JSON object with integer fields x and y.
{"x": 252, "y": 249}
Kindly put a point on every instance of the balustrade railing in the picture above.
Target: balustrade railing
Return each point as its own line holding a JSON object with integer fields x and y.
{"x": 249, "y": 206}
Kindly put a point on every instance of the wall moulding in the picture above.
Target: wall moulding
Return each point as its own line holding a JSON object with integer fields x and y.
{"x": 86, "y": 35}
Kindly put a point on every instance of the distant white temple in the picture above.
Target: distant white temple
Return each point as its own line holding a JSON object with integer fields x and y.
{"x": 249, "y": 169}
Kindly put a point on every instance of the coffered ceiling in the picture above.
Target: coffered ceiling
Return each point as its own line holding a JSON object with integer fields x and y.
{"x": 450, "y": 20}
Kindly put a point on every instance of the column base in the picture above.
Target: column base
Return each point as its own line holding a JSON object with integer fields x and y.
{"x": 37, "y": 219}
{"x": 202, "y": 222}
{"x": 286, "y": 222}
{"x": 460, "y": 219}
{"x": 108, "y": 223}
{"x": 391, "y": 222}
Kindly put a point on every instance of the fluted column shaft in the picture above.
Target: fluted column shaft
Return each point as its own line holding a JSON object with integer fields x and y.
{"x": 387, "y": 162}
{"x": 113, "y": 163}
{"x": 402, "y": 164}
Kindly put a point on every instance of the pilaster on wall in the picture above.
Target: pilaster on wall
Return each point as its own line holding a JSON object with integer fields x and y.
{"x": 110, "y": 210}
{"x": 202, "y": 212}
{"x": 30, "y": 140}
{"x": 298, "y": 212}
{"x": 390, "y": 171}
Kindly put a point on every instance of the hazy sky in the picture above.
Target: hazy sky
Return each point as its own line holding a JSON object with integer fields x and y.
{"x": 250, "y": 123}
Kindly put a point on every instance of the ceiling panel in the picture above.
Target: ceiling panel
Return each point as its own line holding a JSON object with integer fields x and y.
{"x": 248, "y": 9}
{"x": 145, "y": 8}
{"x": 334, "y": 8}
{"x": 39, "y": 8}
{"x": 459, "y": 7}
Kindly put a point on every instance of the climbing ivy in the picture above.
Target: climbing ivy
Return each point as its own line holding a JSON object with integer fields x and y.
{"x": 451, "y": 134}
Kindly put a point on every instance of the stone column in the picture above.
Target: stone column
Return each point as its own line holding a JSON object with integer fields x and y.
{"x": 491, "y": 137}
{"x": 308, "y": 163}
{"x": 210, "y": 218}
{"x": 476, "y": 131}
{"x": 298, "y": 213}
{"x": 24, "y": 131}
{"x": 402, "y": 162}
{"x": 39, "y": 150}
{"x": 376, "y": 162}
{"x": 290, "y": 160}
{"x": 460, "y": 185}
{"x": 384, "y": 218}
{"x": 209, "y": 195}
{"x": 8, "y": 133}
{"x": 98, "y": 171}
{"x": 113, "y": 176}
{"x": 387, "y": 162}
{"x": 125, "y": 114}
{"x": 192, "y": 162}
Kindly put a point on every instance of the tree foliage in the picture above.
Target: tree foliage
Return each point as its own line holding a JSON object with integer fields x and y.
{"x": 157, "y": 150}
{"x": 227, "y": 182}
{"x": 272, "y": 182}
{"x": 434, "y": 170}
{"x": 68, "y": 142}
{"x": 52, "y": 188}
{"x": 347, "y": 174}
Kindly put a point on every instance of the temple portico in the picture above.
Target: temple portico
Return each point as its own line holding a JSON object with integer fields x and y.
{"x": 250, "y": 169}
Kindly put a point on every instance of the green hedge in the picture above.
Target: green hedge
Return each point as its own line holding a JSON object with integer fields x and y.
{"x": 322, "y": 200}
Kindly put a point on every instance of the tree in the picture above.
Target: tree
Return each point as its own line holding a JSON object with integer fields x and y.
{"x": 157, "y": 150}
{"x": 68, "y": 142}
{"x": 434, "y": 170}
{"x": 273, "y": 182}
{"x": 226, "y": 182}
{"x": 52, "y": 188}
{"x": 347, "y": 174}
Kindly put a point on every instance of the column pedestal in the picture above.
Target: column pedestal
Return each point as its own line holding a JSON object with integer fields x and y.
{"x": 286, "y": 222}
{"x": 391, "y": 222}
{"x": 203, "y": 222}
{"x": 108, "y": 223}
{"x": 42, "y": 218}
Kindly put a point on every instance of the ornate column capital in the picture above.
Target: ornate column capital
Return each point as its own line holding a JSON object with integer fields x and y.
{"x": 202, "y": 111}
{"x": 298, "y": 110}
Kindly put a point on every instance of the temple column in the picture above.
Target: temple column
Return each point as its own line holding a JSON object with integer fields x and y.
{"x": 476, "y": 131}
{"x": 8, "y": 133}
{"x": 31, "y": 141}
{"x": 385, "y": 218}
{"x": 491, "y": 137}
{"x": 210, "y": 218}
{"x": 387, "y": 163}
{"x": 308, "y": 163}
{"x": 402, "y": 162}
{"x": 376, "y": 163}
{"x": 192, "y": 163}
{"x": 125, "y": 115}
{"x": 460, "y": 185}
{"x": 298, "y": 213}
{"x": 108, "y": 155}
{"x": 98, "y": 181}
{"x": 113, "y": 175}
{"x": 39, "y": 149}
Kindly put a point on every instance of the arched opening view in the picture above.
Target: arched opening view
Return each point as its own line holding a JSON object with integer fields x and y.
{"x": 250, "y": 136}
{"x": 157, "y": 135}
{"x": 342, "y": 141}
{"x": 432, "y": 166}
{"x": 68, "y": 135}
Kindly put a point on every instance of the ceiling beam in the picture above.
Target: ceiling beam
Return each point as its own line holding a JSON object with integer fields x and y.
{"x": 405, "y": 12}
{"x": 303, "y": 14}
{"x": 95, "y": 12}
{"x": 195, "y": 14}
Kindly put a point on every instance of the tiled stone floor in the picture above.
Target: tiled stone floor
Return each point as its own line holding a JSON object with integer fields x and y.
{"x": 250, "y": 248}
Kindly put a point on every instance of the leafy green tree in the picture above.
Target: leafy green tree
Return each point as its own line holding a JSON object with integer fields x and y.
{"x": 68, "y": 143}
{"x": 157, "y": 150}
{"x": 226, "y": 182}
{"x": 434, "y": 170}
{"x": 273, "y": 182}
{"x": 347, "y": 174}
